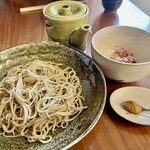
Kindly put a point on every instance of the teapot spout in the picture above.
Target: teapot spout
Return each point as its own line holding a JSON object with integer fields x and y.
{"x": 78, "y": 37}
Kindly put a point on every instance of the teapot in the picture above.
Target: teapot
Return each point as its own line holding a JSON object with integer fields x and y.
{"x": 66, "y": 22}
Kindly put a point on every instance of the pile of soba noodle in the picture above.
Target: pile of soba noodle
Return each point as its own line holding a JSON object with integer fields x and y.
{"x": 37, "y": 98}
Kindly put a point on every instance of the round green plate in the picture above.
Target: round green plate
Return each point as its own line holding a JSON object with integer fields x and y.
{"x": 92, "y": 81}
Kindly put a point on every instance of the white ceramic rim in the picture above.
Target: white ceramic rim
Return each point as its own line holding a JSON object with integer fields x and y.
{"x": 122, "y": 63}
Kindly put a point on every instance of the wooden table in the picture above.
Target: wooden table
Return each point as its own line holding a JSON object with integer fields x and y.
{"x": 111, "y": 132}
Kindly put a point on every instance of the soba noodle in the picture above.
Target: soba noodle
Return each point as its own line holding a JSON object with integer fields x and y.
{"x": 37, "y": 98}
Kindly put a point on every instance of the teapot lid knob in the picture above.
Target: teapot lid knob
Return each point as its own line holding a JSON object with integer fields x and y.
{"x": 66, "y": 10}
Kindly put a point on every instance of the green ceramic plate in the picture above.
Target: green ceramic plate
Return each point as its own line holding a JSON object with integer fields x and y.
{"x": 92, "y": 81}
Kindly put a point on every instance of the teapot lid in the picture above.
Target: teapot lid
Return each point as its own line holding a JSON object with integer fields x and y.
{"x": 65, "y": 9}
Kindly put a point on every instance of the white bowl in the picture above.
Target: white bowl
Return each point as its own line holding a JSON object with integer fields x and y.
{"x": 134, "y": 40}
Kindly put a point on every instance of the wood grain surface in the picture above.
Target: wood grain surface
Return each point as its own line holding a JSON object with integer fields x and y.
{"x": 111, "y": 132}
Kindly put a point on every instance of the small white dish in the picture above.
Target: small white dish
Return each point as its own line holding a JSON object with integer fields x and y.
{"x": 138, "y": 94}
